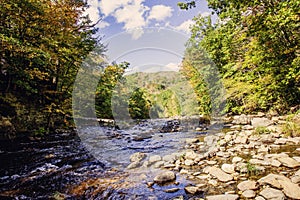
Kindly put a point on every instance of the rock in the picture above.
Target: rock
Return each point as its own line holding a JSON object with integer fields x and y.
{"x": 219, "y": 174}
{"x": 273, "y": 180}
{"x": 191, "y": 140}
{"x": 178, "y": 198}
{"x": 261, "y": 122}
{"x": 171, "y": 190}
{"x": 290, "y": 189}
{"x": 258, "y": 162}
{"x": 281, "y": 141}
{"x": 211, "y": 162}
{"x": 159, "y": 164}
{"x": 248, "y": 194}
{"x": 191, "y": 189}
{"x": 272, "y": 194}
{"x": 165, "y": 177}
{"x": 241, "y": 120}
{"x": 154, "y": 159}
{"x": 169, "y": 158}
{"x": 275, "y": 163}
{"x": 213, "y": 182}
{"x": 191, "y": 155}
{"x": 137, "y": 157}
{"x": 241, "y": 139}
{"x": 247, "y": 185}
{"x": 189, "y": 162}
{"x": 297, "y": 173}
{"x": 223, "y": 197}
{"x": 289, "y": 162}
{"x": 259, "y": 198}
{"x": 228, "y": 168}
{"x": 134, "y": 165}
{"x": 263, "y": 148}
{"x": 237, "y": 159}
{"x": 295, "y": 179}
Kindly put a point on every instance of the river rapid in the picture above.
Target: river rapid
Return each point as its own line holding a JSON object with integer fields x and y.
{"x": 90, "y": 165}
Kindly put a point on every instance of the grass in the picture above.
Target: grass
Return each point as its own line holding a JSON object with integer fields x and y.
{"x": 292, "y": 126}
{"x": 261, "y": 130}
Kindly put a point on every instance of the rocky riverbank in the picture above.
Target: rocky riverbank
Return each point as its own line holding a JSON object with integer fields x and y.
{"x": 254, "y": 158}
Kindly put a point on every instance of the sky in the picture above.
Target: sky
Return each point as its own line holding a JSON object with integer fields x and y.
{"x": 149, "y": 34}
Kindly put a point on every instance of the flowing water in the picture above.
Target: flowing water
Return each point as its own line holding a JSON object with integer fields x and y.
{"x": 92, "y": 166}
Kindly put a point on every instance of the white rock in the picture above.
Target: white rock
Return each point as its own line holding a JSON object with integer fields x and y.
{"x": 237, "y": 159}
{"x": 248, "y": 194}
{"x": 261, "y": 122}
{"x": 189, "y": 162}
{"x": 165, "y": 177}
{"x": 223, "y": 197}
{"x": 289, "y": 162}
{"x": 272, "y": 194}
{"x": 154, "y": 159}
{"x": 219, "y": 174}
{"x": 137, "y": 157}
{"x": 228, "y": 168}
{"x": 247, "y": 185}
{"x": 290, "y": 189}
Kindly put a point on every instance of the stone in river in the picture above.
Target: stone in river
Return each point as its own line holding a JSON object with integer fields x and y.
{"x": 247, "y": 185}
{"x": 165, "y": 177}
{"x": 136, "y": 157}
{"x": 219, "y": 174}
{"x": 289, "y": 162}
{"x": 228, "y": 168}
{"x": 290, "y": 189}
{"x": 223, "y": 197}
{"x": 249, "y": 194}
{"x": 272, "y": 194}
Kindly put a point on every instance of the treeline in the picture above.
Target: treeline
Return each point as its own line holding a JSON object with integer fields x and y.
{"x": 255, "y": 47}
{"x": 43, "y": 44}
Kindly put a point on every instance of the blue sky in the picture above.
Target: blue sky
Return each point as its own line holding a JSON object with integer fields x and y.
{"x": 145, "y": 33}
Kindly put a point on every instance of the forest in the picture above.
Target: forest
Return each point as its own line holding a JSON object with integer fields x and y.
{"x": 254, "y": 45}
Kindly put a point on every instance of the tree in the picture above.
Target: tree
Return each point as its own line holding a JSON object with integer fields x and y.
{"x": 42, "y": 46}
{"x": 255, "y": 47}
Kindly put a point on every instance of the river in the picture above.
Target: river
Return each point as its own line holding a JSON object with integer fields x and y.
{"x": 92, "y": 166}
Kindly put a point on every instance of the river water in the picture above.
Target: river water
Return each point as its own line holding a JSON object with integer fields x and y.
{"x": 89, "y": 165}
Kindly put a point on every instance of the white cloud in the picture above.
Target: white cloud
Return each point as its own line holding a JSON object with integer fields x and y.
{"x": 160, "y": 12}
{"x": 93, "y": 11}
{"x": 133, "y": 18}
{"x": 185, "y": 26}
{"x": 103, "y": 24}
{"x": 173, "y": 67}
{"x": 109, "y": 6}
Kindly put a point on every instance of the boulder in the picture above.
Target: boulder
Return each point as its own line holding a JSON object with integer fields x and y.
{"x": 165, "y": 177}
{"x": 290, "y": 189}
{"x": 261, "y": 122}
{"x": 247, "y": 185}
{"x": 228, "y": 168}
{"x": 272, "y": 194}
{"x": 289, "y": 162}
{"x": 248, "y": 194}
{"x": 219, "y": 174}
{"x": 137, "y": 157}
{"x": 154, "y": 159}
{"x": 223, "y": 197}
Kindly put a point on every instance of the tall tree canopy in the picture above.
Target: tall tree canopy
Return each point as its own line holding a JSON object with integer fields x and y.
{"x": 255, "y": 46}
{"x": 42, "y": 46}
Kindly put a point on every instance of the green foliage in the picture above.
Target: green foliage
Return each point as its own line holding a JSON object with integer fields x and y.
{"x": 252, "y": 170}
{"x": 187, "y": 5}
{"x": 261, "y": 130}
{"x": 139, "y": 106}
{"x": 43, "y": 44}
{"x": 255, "y": 46}
{"x": 292, "y": 126}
